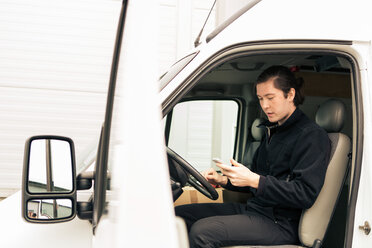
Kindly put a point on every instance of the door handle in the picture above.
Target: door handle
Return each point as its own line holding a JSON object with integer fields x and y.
{"x": 366, "y": 228}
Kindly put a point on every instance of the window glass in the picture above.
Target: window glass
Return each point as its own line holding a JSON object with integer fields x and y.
{"x": 202, "y": 130}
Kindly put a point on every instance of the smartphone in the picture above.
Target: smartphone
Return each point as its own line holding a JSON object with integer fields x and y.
{"x": 217, "y": 160}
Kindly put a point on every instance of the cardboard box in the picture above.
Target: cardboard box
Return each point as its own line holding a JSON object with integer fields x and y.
{"x": 191, "y": 195}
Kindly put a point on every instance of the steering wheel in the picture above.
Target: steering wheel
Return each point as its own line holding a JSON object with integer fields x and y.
{"x": 190, "y": 174}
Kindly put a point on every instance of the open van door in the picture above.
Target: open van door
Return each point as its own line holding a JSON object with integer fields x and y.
{"x": 138, "y": 210}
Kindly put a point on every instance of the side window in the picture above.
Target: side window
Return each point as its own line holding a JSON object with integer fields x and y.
{"x": 204, "y": 129}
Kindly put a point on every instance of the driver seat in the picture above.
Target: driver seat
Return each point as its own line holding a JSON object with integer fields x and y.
{"x": 315, "y": 220}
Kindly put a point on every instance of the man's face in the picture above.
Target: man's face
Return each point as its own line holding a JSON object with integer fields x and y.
{"x": 276, "y": 106}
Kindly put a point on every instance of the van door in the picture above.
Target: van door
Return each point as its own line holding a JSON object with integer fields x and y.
{"x": 360, "y": 202}
{"x": 135, "y": 206}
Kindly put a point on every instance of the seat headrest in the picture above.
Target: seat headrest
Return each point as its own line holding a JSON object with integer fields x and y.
{"x": 331, "y": 115}
{"x": 257, "y": 133}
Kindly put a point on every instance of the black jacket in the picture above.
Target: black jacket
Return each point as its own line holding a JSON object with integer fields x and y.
{"x": 292, "y": 163}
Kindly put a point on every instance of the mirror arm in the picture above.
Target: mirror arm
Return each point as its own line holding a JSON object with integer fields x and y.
{"x": 85, "y": 210}
{"x": 84, "y": 180}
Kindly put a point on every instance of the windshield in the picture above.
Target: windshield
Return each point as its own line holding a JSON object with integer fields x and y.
{"x": 175, "y": 69}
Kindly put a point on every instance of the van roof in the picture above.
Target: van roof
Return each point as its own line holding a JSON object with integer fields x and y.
{"x": 300, "y": 20}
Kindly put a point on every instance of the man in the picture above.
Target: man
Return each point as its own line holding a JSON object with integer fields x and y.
{"x": 286, "y": 177}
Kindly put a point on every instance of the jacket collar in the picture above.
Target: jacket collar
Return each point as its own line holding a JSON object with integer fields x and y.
{"x": 295, "y": 116}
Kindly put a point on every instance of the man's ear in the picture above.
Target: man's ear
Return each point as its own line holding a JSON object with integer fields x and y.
{"x": 291, "y": 94}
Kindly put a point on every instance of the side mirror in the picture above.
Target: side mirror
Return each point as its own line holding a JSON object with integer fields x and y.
{"x": 49, "y": 184}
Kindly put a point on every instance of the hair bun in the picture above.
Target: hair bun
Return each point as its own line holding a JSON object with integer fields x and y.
{"x": 299, "y": 82}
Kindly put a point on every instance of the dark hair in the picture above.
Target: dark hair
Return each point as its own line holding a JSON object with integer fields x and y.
{"x": 284, "y": 80}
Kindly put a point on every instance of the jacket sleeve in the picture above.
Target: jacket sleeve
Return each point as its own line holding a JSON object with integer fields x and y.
{"x": 231, "y": 187}
{"x": 309, "y": 163}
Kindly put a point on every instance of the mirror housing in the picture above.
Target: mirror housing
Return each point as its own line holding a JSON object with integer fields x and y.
{"x": 49, "y": 180}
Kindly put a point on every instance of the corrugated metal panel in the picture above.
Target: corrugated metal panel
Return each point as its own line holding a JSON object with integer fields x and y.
{"x": 56, "y": 44}
{"x": 55, "y": 59}
{"x": 200, "y": 124}
{"x": 167, "y": 48}
{"x": 180, "y": 24}
{"x": 191, "y": 132}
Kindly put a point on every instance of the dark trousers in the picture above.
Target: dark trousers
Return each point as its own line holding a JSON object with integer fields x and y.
{"x": 212, "y": 225}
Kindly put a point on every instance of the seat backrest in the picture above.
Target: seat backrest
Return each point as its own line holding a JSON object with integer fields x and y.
{"x": 251, "y": 147}
{"x": 315, "y": 220}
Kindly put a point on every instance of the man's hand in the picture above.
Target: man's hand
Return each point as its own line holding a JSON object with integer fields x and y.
{"x": 239, "y": 175}
{"x": 214, "y": 178}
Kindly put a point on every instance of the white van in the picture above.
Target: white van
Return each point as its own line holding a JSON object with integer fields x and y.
{"x": 134, "y": 186}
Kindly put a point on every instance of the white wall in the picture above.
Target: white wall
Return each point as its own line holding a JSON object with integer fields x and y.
{"x": 226, "y": 8}
{"x": 180, "y": 23}
{"x": 55, "y": 59}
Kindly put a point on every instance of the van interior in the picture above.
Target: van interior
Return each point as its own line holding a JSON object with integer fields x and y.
{"x": 217, "y": 116}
